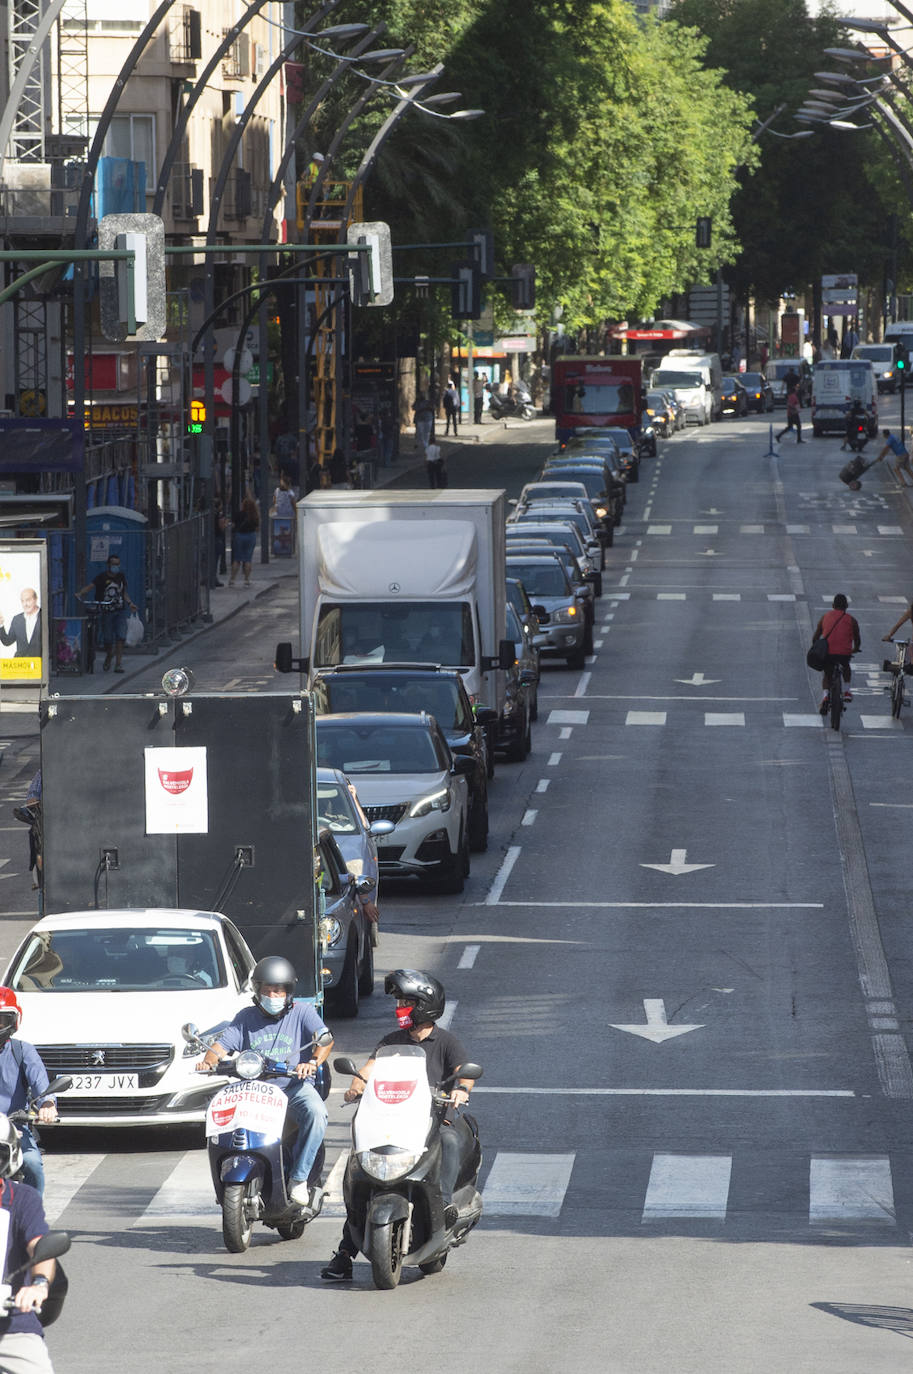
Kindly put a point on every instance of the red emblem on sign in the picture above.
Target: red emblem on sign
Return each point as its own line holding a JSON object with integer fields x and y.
{"x": 221, "y": 1116}
{"x": 392, "y": 1092}
{"x": 175, "y": 783}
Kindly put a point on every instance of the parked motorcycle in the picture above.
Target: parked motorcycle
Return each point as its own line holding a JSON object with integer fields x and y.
{"x": 249, "y": 1132}
{"x": 392, "y": 1184}
{"x": 520, "y": 404}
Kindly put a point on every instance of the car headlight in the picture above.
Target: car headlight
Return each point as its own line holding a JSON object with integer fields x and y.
{"x": 249, "y": 1064}
{"x": 435, "y": 801}
{"x": 330, "y": 930}
{"x": 388, "y": 1163}
{"x": 567, "y": 615}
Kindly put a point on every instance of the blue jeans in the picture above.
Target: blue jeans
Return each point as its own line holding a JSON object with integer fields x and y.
{"x": 309, "y": 1110}
{"x": 32, "y": 1165}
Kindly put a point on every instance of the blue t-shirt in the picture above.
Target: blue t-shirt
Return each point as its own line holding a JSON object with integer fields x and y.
{"x": 15, "y": 1081}
{"x": 279, "y": 1039}
{"x": 22, "y": 1220}
{"x": 895, "y": 445}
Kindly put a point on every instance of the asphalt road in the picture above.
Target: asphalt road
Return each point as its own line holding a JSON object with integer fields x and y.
{"x": 684, "y": 961}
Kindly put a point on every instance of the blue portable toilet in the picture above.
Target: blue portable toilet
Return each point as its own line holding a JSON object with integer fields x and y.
{"x": 117, "y": 530}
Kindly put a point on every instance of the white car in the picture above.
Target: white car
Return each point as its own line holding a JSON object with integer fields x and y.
{"x": 405, "y": 773}
{"x": 104, "y": 995}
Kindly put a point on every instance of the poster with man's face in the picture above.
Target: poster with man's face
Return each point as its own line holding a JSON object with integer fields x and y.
{"x": 23, "y": 627}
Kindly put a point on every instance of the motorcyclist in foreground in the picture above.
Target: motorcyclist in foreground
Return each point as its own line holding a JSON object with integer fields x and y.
{"x": 277, "y": 1027}
{"x": 420, "y": 1001}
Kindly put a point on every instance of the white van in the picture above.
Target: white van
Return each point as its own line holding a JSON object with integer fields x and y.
{"x": 881, "y": 356}
{"x": 836, "y": 384}
{"x": 710, "y": 361}
{"x": 690, "y": 385}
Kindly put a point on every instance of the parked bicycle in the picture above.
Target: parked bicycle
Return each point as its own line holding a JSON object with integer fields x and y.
{"x": 899, "y": 668}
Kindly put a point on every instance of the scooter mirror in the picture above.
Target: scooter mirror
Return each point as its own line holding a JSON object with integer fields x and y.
{"x": 342, "y": 1065}
{"x": 190, "y": 1032}
{"x": 60, "y": 1084}
{"x": 51, "y": 1245}
{"x": 466, "y": 1071}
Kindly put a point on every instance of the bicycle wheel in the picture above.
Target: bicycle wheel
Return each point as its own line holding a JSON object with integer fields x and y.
{"x": 897, "y": 695}
{"x": 836, "y": 695}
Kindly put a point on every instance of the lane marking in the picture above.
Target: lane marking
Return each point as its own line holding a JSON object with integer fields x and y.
{"x": 553, "y": 760}
{"x": 880, "y": 723}
{"x": 727, "y": 596}
{"x": 623, "y": 581}
{"x": 469, "y": 956}
{"x": 542, "y": 784}
{"x": 850, "y": 1189}
{"x": 529, "y": 817}
{"x": 797, "y": 529}
{"x": 64, "y": 1179}
{"x": 645, "y": 718}
{"x": 445, "y": 1020}
{"x": 843, "y": 529}
{"x": 502, "y": 875}
{"x": 527, "y": 1185}
{"x": 659, "y": 529}
{"x": 695, "y": 1186}
{"x": 186, "y": 1193}
{"x": 724, "y": 717}
{"x": 568, "y": 717}
{"x": 671, "y": 596}
{"x": 597, "y": 644}
{"x": 781, "y": 596}
{"x": 333, "y": 1204}
{"x": 565, "y": 732}
{"x": 889, "y": 529}
{"x": 663, "y": 906}
{"x": 580, "y": 690}
{"x": 799, "y": 718}
{"x": 751, "y": 529}
{"x": 706, "y": 529}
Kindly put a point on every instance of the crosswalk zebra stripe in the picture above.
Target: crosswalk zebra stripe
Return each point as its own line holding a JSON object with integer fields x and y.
{"x": 186, "y": 1194}
{"x": 850, "y": 1188}
{"x": 527, "y": 1185}
{"x": 64, "y": 1176}
{"x": 694, "y": 1186}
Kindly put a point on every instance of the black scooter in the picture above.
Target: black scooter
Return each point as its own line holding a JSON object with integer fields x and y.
{"x": 519, "y": 404}
{"x": 392, "y": 1185}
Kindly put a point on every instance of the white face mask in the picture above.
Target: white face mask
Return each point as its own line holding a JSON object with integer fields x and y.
{"x": 273, "y": 1005}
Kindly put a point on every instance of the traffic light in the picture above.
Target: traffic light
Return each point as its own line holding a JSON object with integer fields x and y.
{"x": 483, "y": 241}
{"x": 465, "y": 290}
{"x": 197, "y": 417}
{"x": 703, "y": 231}
{"x": 901, "y": 357}
{"x": 136, "y": 314}
{"x": 371, "y": 273}
{"x": 523, "y": 286}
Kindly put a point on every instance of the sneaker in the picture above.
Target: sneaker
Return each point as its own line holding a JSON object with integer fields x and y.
{"x": 339, "y": 1269}
{"x": 300, "y": 1194}
{"x": 451, "y": 1215}
{"x": 825, "y": 706}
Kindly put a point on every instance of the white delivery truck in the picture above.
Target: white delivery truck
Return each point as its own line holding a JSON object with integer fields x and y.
{"x": 711, "y": 368}
{"x": 405, "y": 577}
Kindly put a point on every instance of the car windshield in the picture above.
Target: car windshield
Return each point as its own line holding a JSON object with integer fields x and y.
{"x": 592, "y": 479}
{"x": 564, "y": 556}
{"x": 405, "y": 632}
{"x": 729, "y": 384}
{"x": 782, "y": 368}
{"x": 593, "y": 398}
{"x": 379, "y": 691}
{"x": 539, "y": 512}
{"x": 656, "y": 399}
{"x": 624, "y": 441}
{"x": 376, "y": 747}
{"x": 541, "y": 579}
{"x": 513, "y": 625}
{"x": 336, "y": 809}
{"x": 752, "y": 379}
{"x": 682, "y": 379}
{"x": 102, "y": 959}
{"x": 549, "y": 491}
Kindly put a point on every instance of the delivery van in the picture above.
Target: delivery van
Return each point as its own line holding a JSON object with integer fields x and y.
{"x": 881, "y": 356}
{"x": 836, "y": 384}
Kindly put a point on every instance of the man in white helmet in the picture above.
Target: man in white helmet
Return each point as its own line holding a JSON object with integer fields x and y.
{"x": 22, "y": 1224}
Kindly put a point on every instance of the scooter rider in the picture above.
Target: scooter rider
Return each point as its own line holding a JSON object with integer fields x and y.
{"x": 23, "y": 1075}
{"x": 276, "y": 1027}
{"x": 420, "y": 1000}
{"x": 22, "y": 1347}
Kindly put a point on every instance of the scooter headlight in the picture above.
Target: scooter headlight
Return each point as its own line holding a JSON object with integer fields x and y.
{"x": 388, "y": 1162}
{"x": 249, "y": 1064}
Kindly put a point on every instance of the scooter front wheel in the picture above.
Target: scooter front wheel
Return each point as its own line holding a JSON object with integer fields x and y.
{"x": 387, "y": 1254}
{"x": 237, "y": 1216}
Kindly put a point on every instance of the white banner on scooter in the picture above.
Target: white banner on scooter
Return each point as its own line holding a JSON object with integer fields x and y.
{"x": 176, "y": 795}
{"x": 396, "y": 1105}
{"x": 253, "y": 1106}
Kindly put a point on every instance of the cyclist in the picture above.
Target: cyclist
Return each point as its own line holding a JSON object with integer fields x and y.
{"x": 907, "y": 615}
{"x": 841, "y": 630}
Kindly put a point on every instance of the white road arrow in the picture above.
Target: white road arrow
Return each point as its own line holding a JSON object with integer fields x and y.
{"x": 698, "y": 680}
{"x": 709, "y": 553}
{"x": 657, "y": 1028}
{"x": 712, "y": 511}
{"x": 677, "y": 864}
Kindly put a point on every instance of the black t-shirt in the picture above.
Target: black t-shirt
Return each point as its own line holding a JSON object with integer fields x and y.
{"x": 443, "y": 1052}
{"x": 22, "y": 1221}
{"x": 111, "y": 588}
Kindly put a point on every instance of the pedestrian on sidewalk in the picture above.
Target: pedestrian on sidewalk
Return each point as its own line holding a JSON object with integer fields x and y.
{"x": 478, "y": 397}
{"x": 902, "y": 455}
{"x": 112, "y": 597}
{"x": 434, "y": 459}
{"x": 793, "y": 416}
{"x": 243, "y": 539}
{"x": 423, "y": 412}
{"x": 451, "y": 408}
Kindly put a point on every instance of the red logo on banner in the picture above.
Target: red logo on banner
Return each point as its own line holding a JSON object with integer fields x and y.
{"x": 221, "y": 1116}
{"x": 391, "y": 1092}
{"x": 175, "y": 783}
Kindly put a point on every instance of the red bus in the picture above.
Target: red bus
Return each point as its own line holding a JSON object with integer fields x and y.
{"x": 589, "y": 392}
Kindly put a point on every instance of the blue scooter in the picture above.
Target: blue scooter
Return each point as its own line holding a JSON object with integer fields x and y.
{"x": 249, "y": 1132}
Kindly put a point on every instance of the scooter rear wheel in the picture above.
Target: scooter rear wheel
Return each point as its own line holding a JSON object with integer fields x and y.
{"x": 237, "y": 1224}
{"x": 291, "y": 1230}
{"x": 387, "y": 1254}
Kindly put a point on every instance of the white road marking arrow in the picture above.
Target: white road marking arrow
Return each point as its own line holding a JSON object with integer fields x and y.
{"x": 709, "y": 553}
{"x": 657, "y": 1028}
{"x": 698, "y": 680}
{"x": 677, "y": 864}
{"x": 712, "y": 511}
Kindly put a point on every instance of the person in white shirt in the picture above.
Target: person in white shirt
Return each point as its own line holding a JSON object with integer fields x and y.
{"x": 25, "y": 628}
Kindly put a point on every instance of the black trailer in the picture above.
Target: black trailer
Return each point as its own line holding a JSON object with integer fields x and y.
{"x": 227, "y": 824}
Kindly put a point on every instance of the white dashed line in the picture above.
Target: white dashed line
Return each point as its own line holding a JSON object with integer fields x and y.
{"x": 727, "y": 596}
{"x": 529, "y": 817}
{"x": 502, "y": 875}
{"x": 645, "y": 718}
{"x": 580, "y": 690}
{"x": 568, "y": 717}
{"x": 469, "y": 956}
{"x": 724, "y": 718}
{"x": 542, "y": 784}
{"x": 553, "y": 760}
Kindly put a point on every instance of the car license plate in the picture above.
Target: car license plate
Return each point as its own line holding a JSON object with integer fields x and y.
{"x": 99, "y": 1084}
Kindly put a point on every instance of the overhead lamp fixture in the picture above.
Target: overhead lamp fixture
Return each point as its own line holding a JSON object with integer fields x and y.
{"x": 839, "y": 78}
{"x": 416, "y": 79}
{"x": 865, "y": 25}
{"x": 466, "y": 114}
{"x": 847, "y": 124}
{"x": 380, "y": 55}
{"x": 445, "y": 98}
{"x": 342, "y": 31}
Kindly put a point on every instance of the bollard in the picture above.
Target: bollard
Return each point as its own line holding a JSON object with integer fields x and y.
{"x": 771, "y": 451}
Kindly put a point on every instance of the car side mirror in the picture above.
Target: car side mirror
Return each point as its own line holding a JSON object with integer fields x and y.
{"x": 506, "y": 654}
{"x": 486, "y": 715}
{"x": 463, "y": 765}
{"x": 283, "y": 660}
{"x": 381, "y": 828}
{"x": 364, "y": 885}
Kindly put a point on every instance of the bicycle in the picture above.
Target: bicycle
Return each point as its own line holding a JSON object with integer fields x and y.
{"x": 898, "y": 668}
{"x": 835, "y": 694}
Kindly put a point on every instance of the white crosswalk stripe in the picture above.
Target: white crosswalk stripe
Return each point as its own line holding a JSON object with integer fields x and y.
{"x": 527, "y": 1185}
{"x": 64, "y": 1176}
{"x": 186, "y": 1194}
{"x": 851, "y": 1188}
{"x": 688, "y": 1186}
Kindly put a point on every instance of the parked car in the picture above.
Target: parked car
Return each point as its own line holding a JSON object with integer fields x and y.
{"x": 104, "y": 995}
{"x": 557, "y": 608}
{"x": 347, "y": 949}
{"x": 410, "y": 688}
{"x": 735, "y": 400}
{"x": 779, "y": 369}
{"x": 405, "y": 773}
{"x": 758, "y": 391}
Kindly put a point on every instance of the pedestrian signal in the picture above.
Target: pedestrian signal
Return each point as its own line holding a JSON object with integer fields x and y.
{"x": 197, "y": 417}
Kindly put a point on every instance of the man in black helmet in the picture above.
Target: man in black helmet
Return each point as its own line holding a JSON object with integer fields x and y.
{"x": 420, "y": 1000}
{"x": 279, "y": 1028}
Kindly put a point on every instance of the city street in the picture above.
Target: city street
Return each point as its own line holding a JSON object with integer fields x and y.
{"x": 685, "y": 963}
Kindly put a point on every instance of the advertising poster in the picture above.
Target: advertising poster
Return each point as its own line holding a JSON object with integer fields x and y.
{"x": 176, "y": 798}
{"x": 23, "y": 623}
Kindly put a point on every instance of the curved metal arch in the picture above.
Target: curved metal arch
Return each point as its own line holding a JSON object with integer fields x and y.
{"x": 180, "y": 127}
{"x": 26, "y": 67}
{"x": 275, "y": 190}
